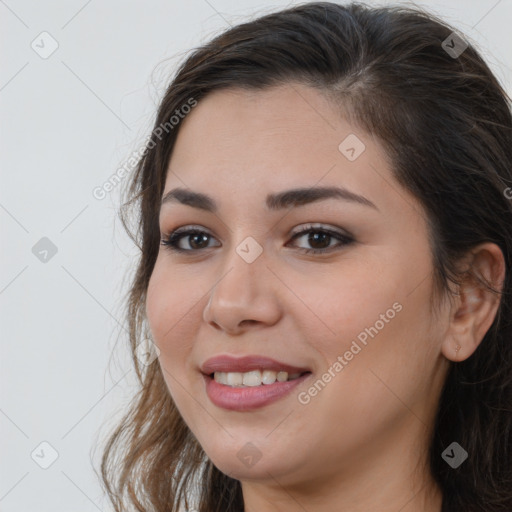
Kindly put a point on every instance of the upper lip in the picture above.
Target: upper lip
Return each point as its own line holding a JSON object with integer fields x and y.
{"x": 226, "y": 363}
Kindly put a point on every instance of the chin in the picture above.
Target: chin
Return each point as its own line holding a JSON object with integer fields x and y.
{"x": 260, "y": 471}
{"x": 251, "y": 463}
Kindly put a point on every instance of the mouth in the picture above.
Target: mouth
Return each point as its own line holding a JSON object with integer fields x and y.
{"x": 250, "y": 382}
{"x": 246, "y": 364}
{"x": 254, "y": 378}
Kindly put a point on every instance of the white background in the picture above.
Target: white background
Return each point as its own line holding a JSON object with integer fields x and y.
{"x": 67, "y": 123}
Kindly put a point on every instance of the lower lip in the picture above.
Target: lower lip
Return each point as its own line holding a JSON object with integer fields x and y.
{"x": 250, "y": 397}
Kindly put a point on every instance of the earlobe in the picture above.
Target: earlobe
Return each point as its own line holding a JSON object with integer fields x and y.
{"x": 475, "y": 306}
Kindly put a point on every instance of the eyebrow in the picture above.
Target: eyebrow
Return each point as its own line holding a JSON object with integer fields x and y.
{"x": 278, "y": 201}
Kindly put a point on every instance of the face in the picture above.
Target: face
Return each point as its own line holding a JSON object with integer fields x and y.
{"x": 334, "y": 288}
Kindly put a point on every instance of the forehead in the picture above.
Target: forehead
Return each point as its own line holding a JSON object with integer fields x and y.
{"x": 284, "y": 122}
{"x": 246, "y": 142}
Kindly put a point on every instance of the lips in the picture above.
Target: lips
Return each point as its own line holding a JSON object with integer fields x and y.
{"x": 253, "y": 395}
{"x": 244, "y": 364}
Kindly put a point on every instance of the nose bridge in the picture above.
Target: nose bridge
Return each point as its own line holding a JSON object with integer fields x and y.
{"x": 243, "y": 291}
{"x": 242, "y": 267}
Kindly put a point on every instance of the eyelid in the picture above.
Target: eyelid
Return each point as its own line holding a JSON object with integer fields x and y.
{"x": 310, "y": 226}
{"x": 190, "y": 227}
{"x": 303, "y": 227}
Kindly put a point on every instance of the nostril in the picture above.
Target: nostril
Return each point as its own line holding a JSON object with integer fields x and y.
{"x": 250, "y": 322}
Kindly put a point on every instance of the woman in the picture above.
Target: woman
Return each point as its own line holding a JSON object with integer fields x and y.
{"x": 325, "y": 225}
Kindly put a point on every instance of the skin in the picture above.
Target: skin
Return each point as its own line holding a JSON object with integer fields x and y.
{"x": 361, "y": 443}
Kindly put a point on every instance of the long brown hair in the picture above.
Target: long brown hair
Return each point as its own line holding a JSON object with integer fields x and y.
{"x": 446, "y": 124}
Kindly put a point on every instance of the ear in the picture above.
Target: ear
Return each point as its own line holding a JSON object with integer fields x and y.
{"x": 475, "y": 306}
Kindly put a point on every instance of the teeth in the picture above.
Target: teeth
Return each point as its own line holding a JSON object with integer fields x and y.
{"x": 268, "y": 377}
{"x": 234, "y": 379}
{"x": 253, "y": 378}
{"x": 282, "y": 376}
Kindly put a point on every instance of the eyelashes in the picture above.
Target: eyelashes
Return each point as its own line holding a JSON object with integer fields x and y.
{"x": 195, "y": 236}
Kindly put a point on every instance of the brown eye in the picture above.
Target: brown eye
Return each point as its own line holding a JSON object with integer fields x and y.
{"x": 195, "y": 238}
{"x": 320, "y": 238}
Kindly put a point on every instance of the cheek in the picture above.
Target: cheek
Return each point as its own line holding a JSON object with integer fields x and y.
{"x": 172, "y": 321}
{"x": 377, "y": 323}
{"x": 159, "y": 305}
{"x": 358, "y": 304}
{"x": 377, "y": 382}
{"x": 172, "y": 315}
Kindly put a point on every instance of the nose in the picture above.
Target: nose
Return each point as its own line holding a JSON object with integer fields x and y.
{"x": 246, "y": 295}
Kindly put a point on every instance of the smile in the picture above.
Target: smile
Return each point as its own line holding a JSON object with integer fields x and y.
{"x": 250, "y": 382}
{"x": 246, "y": 398}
